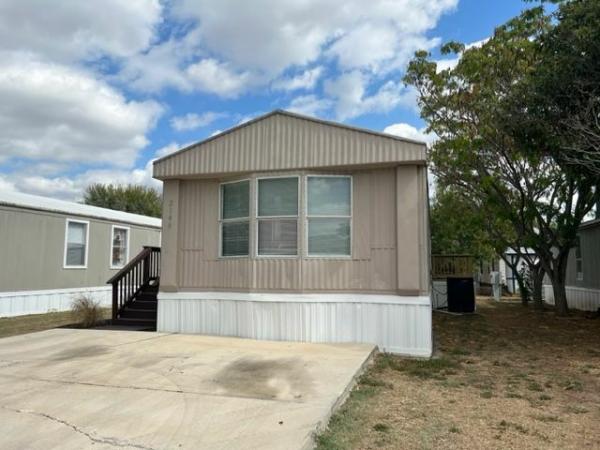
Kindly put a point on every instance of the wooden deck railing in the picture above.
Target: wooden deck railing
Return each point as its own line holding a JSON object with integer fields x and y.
{"x": 130, "y": 280}
{"x": 452, "y": 266}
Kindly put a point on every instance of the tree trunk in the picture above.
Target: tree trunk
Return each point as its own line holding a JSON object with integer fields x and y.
{"x": 556, "y": 268}
{"x": 560, "y": 297}
{"x": 557, "y": 277}
{"x": 523, "y": 290}
{"x": 537, "y": 274}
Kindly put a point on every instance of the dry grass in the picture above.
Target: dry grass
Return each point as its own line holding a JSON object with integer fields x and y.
{"x": 87, "y": 311}
{"x": 12, "y": 326}
{"x": 506, "y": 378}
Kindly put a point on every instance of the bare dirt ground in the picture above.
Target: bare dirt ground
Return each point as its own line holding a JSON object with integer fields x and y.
{"x": 506, "y": 378}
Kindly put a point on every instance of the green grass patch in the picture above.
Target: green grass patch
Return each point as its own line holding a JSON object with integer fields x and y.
{"x": 535, "y": 386}
{"x": 428, "y": 368}
{"x": 381, "y": 427}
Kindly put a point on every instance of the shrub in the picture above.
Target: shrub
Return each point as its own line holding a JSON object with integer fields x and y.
{"x": 87, "y": 311}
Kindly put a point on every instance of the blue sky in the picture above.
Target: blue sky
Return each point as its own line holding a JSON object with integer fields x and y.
{"x": 94, "y": 91}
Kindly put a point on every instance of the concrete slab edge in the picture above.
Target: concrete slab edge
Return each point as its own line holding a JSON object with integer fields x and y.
{"x": 322, "y": 425}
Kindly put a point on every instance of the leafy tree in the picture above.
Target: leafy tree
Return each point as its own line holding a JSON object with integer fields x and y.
{"x": 135, "y": 199}
{"x": 479, "y": 153}
{"x": 564, "y": 88}
{"x": 461, "y": 224}
{"x": 457, "y": 227}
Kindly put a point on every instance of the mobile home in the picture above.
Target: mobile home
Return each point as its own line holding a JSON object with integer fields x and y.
{"x": 293, "y": 228}
{"x": 52, "y": 251}
{"x": 583, "y": 270}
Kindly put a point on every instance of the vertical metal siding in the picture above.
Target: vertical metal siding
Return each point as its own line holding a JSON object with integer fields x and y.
{"x": 372, "y": 267}
{"x": 32, "y": 250}
{"x": 583, "y": 299}
{"x": 305, "y": 321}
{"x": 281, "y": 142}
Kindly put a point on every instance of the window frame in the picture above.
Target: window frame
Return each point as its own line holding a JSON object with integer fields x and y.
{"x": 578, "y": 260}
{"x": 66, "y": 243}
{"x": 237, "y": 219}
{"x": 112, "y": 237}
{"x": 307, "y": 216}
{"x": 257, "y": 218}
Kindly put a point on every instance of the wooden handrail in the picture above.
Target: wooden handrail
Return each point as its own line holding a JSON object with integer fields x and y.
{"x": 133, "y": 277}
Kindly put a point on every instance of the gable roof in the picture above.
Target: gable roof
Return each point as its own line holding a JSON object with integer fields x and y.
{"x": 283, "y": 140}
{"x": 38, "y": 203}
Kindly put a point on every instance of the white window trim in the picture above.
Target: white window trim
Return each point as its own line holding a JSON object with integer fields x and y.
{"x": 257, "y": 218}
{"x": 237, "y": 219}
{"x": 87, "y": 243}
{"x": 112, "y": 237}
{"x": 307, "y": 217}
{"x": 578, "y": 260}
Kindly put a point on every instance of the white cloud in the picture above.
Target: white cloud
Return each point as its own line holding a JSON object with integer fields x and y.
{"x": 210, "y": 75}
{"x": 408, "y": 131}
{"x": 270, "y": 35}
{"x": 54, "y": 112}
{"x": 310, "y": 105}
{"x": 305, "y": 80}
{"x": 72, "y": 188}
{"x": 231, "y": 47}
{"x": 6, "y": 185}
{"x": 70, "y": 30}
{"x": 192, "y": 121}
{"x": 352, "y": 99}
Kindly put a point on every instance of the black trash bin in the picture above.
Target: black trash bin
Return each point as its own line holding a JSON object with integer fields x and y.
{"x": 461, "y": 295}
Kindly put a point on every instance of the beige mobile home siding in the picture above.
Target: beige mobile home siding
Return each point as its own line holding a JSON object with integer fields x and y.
{"x": 379, "y": 228}
{"x": 284, "y": 142}
{"x": 32, "y": 250}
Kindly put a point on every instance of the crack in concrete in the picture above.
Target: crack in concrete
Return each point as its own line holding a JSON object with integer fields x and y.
{"x": 112, "y": 441}
{"x": 148, "y": 388}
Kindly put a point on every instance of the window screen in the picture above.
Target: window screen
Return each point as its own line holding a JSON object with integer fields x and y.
{"x": 119, "y": 247}
{"x": 235, "y": 212}
{"x": 76, "y": 244}
{"x": 329, "y": 215}
{"x": 278, "y": 216}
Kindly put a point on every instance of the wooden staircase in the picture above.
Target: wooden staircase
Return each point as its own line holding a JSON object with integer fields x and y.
{"x": 135, "y": 290}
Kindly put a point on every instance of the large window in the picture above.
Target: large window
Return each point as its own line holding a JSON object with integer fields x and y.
{"x": 119, "y": 251}
{"x": 235, "y": 218}
{"x": 578, "y": 259}
{"x": 76, "y": 243}
{"x": 277, "y": 216}
{"x": 329, "y": 213}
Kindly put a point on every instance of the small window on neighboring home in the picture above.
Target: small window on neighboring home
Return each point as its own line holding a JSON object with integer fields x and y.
{"x": 578, "y": 259}
{"x": 119, "y": 253}
{"x": 277, "y": 213}
{"x": 235, "y": 218}
{"x": 76, "y": 243}
{"x": 329, "y": 213}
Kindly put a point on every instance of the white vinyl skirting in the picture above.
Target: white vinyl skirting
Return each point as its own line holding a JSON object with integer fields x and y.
{"x": 20, "y": 303}
{"x": 584, "y": 299}
{"x": 396, "y": 324}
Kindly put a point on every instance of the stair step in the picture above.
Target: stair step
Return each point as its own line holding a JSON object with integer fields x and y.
{"x": 131, "y": 322}
{"x": 143, "y": 304}
{"x": 147, "y": 314}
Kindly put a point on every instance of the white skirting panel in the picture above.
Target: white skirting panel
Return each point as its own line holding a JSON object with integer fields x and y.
{"x": 20, "y": 303}
{"x": 584, "y": 299}
{"x": 396, "y": 324}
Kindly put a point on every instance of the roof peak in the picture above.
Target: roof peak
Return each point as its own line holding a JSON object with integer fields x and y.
{"x": 294, "y": 115}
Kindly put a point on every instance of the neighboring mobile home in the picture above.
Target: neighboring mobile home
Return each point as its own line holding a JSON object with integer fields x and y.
{"x": 292, "y": 228}
{"x": 583, "y": 270}
{"x": 52, "y": 251}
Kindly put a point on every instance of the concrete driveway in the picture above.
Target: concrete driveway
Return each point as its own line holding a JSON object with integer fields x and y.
{"x": 74, "y": 389}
